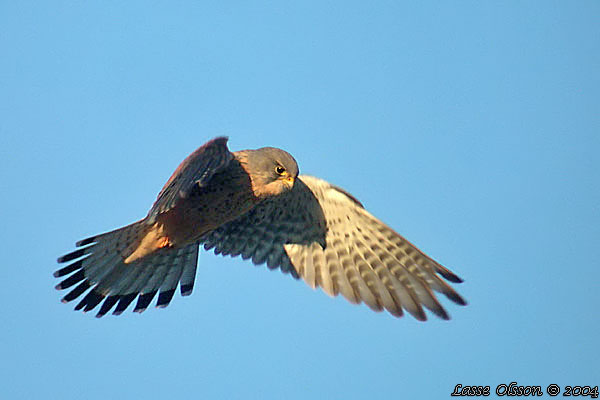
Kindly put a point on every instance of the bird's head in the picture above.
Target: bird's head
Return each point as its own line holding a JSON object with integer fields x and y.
{"x": 273, "y": 171}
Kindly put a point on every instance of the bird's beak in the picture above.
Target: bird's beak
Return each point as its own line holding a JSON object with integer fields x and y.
{"x": 290, "y": 180}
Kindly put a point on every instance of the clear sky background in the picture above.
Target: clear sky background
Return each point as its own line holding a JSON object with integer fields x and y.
{"x": 472, "y": 128}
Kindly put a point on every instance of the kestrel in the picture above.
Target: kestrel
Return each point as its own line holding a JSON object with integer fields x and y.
{"x": 253, "y": 204}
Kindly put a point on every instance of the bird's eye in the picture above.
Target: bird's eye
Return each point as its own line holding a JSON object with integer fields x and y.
{"x": 279, "y": 169}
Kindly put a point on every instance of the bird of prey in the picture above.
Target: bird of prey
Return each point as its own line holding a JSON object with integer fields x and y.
{"x": 253, "y": 204}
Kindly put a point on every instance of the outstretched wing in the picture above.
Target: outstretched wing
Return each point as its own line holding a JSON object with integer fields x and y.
{"x": 324, "y": 235}
{"x": 196, "y": 169}
{"x": 262, "y": 233}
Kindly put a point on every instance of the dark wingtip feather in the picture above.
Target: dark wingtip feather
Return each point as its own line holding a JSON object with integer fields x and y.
{"x": 85, "y": 241}
{"x": 90, "y": 301}
{"x": 124, "y": 302}
{"x": 219, "y": 140}
{"x": 186, "y": 290}
{"x": 78, "y": 291}
{"x": 457, "y": 298}
{"x": 449, "y": 275}
{"x": 442, "y": 313}
{"x": 143, "y": 301}
{"x": 93, "y": 303}
{"x": 107, "y": 305}
{"x": 72, "y": 255}
{"x": 420, "y": 316}
{"x": 70, "y": 281}
{"x": 164, "y": 298}
{"x": 80, "y": 305}
{"x": 68, "y": 269}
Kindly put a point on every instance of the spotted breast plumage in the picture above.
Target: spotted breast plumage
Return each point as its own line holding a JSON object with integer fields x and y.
{"x": 253, "y": 204}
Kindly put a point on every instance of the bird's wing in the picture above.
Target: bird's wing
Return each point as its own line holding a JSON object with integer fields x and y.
{"x": 196, "y": 170}
{"x": 321, "y": 233}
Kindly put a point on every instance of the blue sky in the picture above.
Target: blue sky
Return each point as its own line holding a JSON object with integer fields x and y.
{"x": 472, "y": 128}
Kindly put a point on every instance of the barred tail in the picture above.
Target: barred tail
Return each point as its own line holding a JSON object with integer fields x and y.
{"x": 99, "y": 265}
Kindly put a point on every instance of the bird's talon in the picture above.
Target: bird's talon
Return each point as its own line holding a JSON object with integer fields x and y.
{"x": 164, "y": 242}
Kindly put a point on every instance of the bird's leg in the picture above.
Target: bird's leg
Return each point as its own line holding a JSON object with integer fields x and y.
{"x": 154, "y": 239}
{"x": 163, "y": 242}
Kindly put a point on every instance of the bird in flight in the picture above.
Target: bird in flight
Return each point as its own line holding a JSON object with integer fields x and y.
{"x": 253, "y": 204}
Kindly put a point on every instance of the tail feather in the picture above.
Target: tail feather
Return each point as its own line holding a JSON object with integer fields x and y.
{"x": 165, "y": 297}
{"x": 128, "y": 279}
{"x": 126, "y": 286}
{"x": 124, "y": 302}
{"x": 71, "y": 280}
{"x": 167, "y": 288}
{"x": 68, "y": 269}
{"x": 189, "y": 274}
{"x": 78, "y": 291}
{"x": 85, "y": 241}
{"x": 98, "y": 265}
{"x": 188, "y": 258}
{"x": 166, "y": 276}
{"x": 108, "y": 304}
{"x": 144, "y": 301}
{"x": 91, "y": 300}
{"x": 150, "y": 288}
